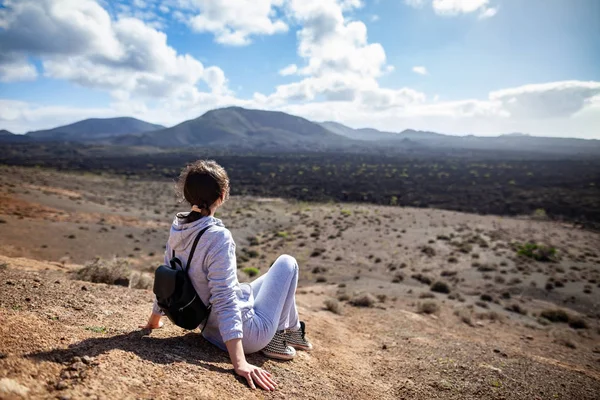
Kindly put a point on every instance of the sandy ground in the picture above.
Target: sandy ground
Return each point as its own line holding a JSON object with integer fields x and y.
{"x": 63, "y": 338}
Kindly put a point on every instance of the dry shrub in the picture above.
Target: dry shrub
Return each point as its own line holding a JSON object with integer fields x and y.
{"x": 334, "y": 306}
{"x": 343, "y": 297}
{"x": 363, "y": 300}
{"x": 115, "y": 271}
{"x": 140, "y": 280}
{"x": 429, "y": 307}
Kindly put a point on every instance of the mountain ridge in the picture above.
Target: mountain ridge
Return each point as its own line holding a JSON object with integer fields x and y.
{"x": 95, "y": 128}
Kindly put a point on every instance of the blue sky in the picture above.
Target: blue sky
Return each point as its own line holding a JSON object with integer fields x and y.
{"x": 453, "y": 66}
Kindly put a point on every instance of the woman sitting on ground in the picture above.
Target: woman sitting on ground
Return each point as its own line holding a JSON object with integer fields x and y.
{"x": 245, "y": 318}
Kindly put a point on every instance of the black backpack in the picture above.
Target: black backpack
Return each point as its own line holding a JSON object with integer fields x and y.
{"x": 176, "y": 295}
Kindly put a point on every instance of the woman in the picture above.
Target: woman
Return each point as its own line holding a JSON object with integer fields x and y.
{"x": 245, "y": 318}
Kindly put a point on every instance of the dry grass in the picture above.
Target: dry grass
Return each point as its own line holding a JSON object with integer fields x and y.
{"x": 115, "y": 271}
{"x": 334, "y": 306}
{"x": 363, "y": 300}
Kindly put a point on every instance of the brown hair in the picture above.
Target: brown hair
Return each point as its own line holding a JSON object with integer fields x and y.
{"x": 201, "y": 184}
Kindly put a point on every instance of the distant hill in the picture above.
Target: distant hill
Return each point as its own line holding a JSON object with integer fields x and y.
{"x": 4, "y": 132}
{"x": 367, "y": 134}
{"x": 240, "y": 127}
{"x": 95, "y": 128}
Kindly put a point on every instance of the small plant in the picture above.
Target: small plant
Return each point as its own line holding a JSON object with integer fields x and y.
{"x": 96, "y": 329}
{"x": 282, "y": 234}
{"x": 363, "y": 300}
{"x": 555, "y": 315}
{"x": 440, "y": 287}
{"x": 424, "y": 279}
{"x": 516, "y": 309}
{"x": 537, "y": 252}
{"x": 334, "y": 306}
{"x": 428, "y": 307}
{"x": 317, "y": 252}
{"x": 343, "y": 297}
{"x": 428, "y": 251}
{"x": 251, "y": 271}
{"x": 486, "y": 297}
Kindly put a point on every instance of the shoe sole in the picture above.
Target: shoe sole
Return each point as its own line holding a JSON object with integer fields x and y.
{"x": 278, "y": 356}
{"x": 300, "y": 347}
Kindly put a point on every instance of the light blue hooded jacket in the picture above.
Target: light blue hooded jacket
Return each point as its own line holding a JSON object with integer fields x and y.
{"x": 214, "y": 275}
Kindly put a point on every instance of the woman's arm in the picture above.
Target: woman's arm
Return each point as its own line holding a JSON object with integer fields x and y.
{"x": 251, "y": 372}
{"x": 222, "y": 282}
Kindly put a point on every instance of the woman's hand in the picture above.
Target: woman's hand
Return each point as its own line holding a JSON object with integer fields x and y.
{"x": 154, "y": 322}
{"x": 254, "y": 374}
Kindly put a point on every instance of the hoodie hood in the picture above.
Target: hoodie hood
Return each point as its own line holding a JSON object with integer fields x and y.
{"x": 182, "y": 235}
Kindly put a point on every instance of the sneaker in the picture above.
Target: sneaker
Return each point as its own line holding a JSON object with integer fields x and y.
{"x": 278, "y": 348}
{"x": 297, "y": 338}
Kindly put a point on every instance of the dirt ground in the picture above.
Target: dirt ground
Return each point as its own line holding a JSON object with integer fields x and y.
{"x": 488, "y": 337}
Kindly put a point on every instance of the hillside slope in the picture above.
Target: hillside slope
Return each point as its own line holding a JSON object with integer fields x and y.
{"x": 74, "y": 339}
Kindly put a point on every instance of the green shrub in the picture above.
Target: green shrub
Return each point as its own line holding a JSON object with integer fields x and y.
{"x": 251, "y": 271}
{"x": 537, "y": 252}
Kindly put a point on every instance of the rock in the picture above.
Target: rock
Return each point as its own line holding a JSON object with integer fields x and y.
{"x": 78, "y": 366}
{"x": 65, "y": 375}
{"x": 76, "y": 359}
{"x": 87, "y": 360}
{"x": 75, "y": 375}
{"x": 64, "y": 397}
{"x": 83, "y": 374}
{"x": 84, "y": 288}
{"x": 61, "y": 385}
{"x": 3, "y": 356}
{"x": 384, "y": 347}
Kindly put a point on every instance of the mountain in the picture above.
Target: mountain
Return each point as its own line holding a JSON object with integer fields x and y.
{"x": 366, "y": 134}
{"x": 4, "y": 132}
{"x": 95, "y": 128}
{"x": 242, "y": 128}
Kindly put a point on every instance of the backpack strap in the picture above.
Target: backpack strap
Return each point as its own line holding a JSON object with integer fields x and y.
{"x": 189, "y": 262}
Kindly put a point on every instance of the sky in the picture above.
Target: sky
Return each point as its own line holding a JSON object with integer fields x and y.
{"x": 482, "y": 67}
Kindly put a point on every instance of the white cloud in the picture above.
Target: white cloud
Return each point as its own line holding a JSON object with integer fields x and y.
{"x": 549, "y": 100}
{"x": 415, "y": 3}
{"x": 233, "y": 22}
{"x": 457, "y": 7}
{"x": 340, "y": 63}
{"x": 17, "y": 70}
{"x": 289, "y": 70}
{"x": 488, "y": 13}
{"x": 419, "y": 70}
{"x": 374, "y": 18}
{"x": 78, "y": 41}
